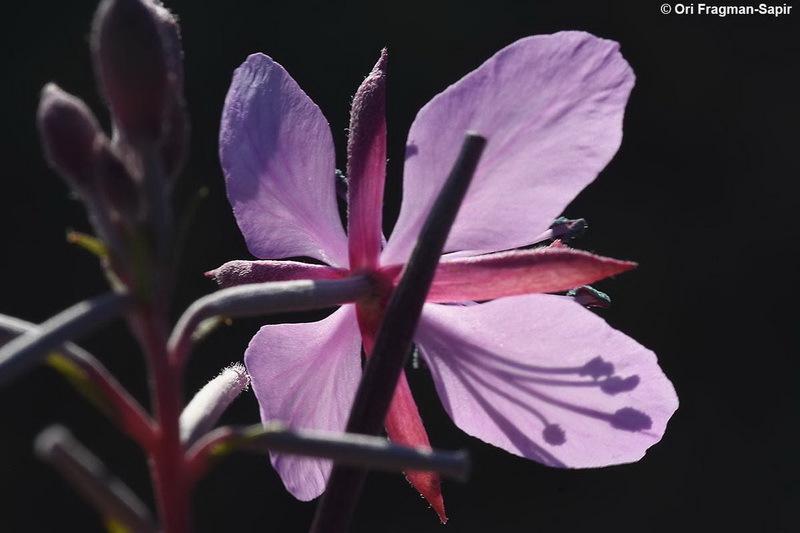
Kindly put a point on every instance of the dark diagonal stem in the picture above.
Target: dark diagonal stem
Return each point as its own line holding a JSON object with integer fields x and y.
{"x": 395, "y": 336}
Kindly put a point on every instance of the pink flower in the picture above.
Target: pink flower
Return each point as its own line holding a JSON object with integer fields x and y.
{"x": 535, "y": 374}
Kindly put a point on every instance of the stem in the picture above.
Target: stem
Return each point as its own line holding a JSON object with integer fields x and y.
{"x": 93, "y": 380}
{"x": 395, "y": 337}
{"x": 30, "y": 348}
{"x": 92, "y": 478}
{"x": 260, "y": 299}
{"x": 167, "y": 462}
{"x": 345, "y": 448}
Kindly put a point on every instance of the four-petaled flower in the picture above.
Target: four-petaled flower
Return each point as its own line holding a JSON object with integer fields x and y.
{"x": 535, "y": 374}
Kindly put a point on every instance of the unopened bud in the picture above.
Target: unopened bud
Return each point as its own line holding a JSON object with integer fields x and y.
{"x": 210, "y": 402}
{"x": 176, "y": 138}
{"x": 68, "y": 131}
{"x": 117, "y": 187}
{"x": 131, "y": 66}
{"x": 171, "y": 40}
{"x": 176, "y": 127}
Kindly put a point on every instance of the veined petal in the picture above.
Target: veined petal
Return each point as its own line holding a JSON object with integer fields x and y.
{"x": 491, "y": 276}
{"x": 551, "y": 108}
{"x": 546, "y": 379}
{"x": 240, "y": 272}
{"x": 366, "y": 168}
{"x": 278, "y": 158}
{"x": 306, "y": 375}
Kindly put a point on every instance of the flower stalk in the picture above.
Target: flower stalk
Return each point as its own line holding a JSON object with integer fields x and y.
{"x": 344, "y": 448}
{"x": 28, "y": 349}
{"x": 260, "y": 299}
{"x": 95, "y": 382}
{"x": 117, "y": 503}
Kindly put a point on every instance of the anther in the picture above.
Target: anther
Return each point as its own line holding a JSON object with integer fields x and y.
{"x": 588, "y": 296}
{"x": 567, "y": 230}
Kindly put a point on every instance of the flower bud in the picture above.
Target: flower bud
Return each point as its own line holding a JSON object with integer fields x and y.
{"x": 175, "y": 140}
{"x": 171, "y": 41}
{"x": 68, "y": 131}
{"x": 117, "y": 187}
{"x": 176, "y": 128}
{"x": 210, "y": 402}
{"x": 132, "y": 66}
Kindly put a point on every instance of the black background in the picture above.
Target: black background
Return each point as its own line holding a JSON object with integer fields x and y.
{"x": 701, "y": 194}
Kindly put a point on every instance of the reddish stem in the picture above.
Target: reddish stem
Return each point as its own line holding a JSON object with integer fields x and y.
{"x": 130, "y": 416}
{"x": 167, "y": 462}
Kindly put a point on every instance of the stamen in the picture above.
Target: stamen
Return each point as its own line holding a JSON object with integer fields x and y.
{"x": 567, "y": 230}
{"x": 588, "y": 296}
{"x": 563, "y": 229}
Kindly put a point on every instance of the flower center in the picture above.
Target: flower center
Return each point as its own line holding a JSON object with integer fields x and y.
{"x": 371, "y": 308}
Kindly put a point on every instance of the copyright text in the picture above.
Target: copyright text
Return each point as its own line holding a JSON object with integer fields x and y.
{"x": 724, "y": 11}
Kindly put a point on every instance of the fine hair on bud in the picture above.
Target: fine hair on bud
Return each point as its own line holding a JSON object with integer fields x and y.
{"x": 69, "y": 130}
{"x": 131, "y": 67}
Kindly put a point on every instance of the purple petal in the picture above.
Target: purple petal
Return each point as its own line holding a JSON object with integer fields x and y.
{"x": 551, "y": 108}
{"x": 306, "y": 375}
{"x": 544, "y": 378}
{"x": 278, "y": 158}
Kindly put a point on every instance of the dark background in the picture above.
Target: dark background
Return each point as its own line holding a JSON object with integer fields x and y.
{"x": 701, "y": 194}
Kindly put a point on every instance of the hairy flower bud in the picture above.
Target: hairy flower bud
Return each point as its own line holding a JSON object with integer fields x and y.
{"x": 116, "y": 186}
{"x": 176, "y": 127}
{"x": 68, "y": 131}
{"x": 132, "y": 66}
{"x": 175, "y": 140}
{"x": 171, "y": 40}
{"x": 210, "y": 402}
